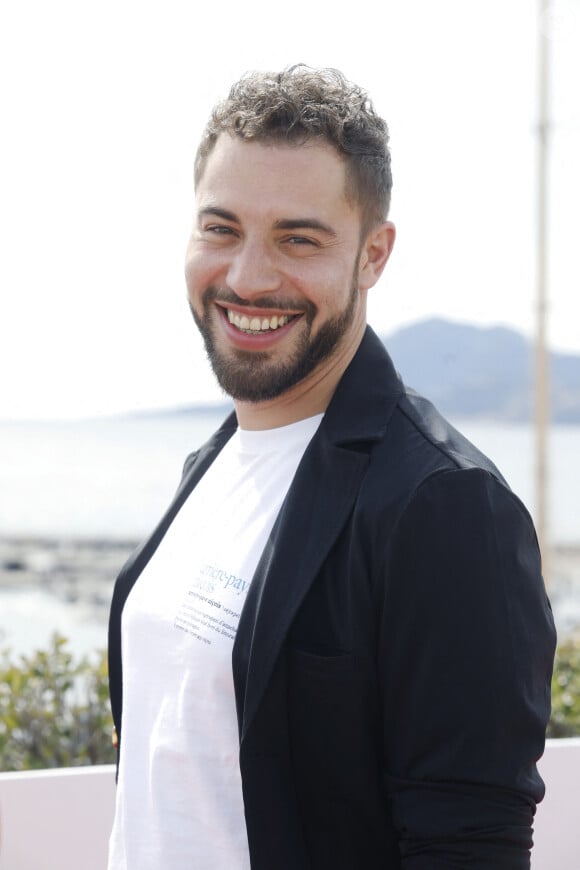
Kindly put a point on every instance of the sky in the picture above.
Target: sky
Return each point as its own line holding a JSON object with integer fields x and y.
{"x": 102, "y": 108}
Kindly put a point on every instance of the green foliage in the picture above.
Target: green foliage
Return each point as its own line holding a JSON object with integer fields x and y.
{"x": 565, "y": 720}
{"x": 54, "y": 711}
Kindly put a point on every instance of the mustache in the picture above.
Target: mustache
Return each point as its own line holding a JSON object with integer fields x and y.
{"x": 277, "y": 303}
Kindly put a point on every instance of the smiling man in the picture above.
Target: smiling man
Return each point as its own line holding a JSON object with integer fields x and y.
{"x": 334, "y": 652}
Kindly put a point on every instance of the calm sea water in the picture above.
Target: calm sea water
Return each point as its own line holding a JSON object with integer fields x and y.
{"x": 113, "y": 477}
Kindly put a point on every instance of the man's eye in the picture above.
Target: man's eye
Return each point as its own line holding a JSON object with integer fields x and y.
{"x": 300, "y": 240}
{"x": 218, "y": 229}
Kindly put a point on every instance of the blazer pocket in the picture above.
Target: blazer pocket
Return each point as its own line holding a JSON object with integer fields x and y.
{"x": 333, "y": 722}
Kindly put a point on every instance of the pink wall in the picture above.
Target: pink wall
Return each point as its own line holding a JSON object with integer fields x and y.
{"x": 56, "y": 819}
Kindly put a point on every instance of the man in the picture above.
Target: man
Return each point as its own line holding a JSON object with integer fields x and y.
{"x": 335, "y": 649}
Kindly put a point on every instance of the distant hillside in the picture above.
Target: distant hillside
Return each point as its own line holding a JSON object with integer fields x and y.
{"x": 469, "y": 371}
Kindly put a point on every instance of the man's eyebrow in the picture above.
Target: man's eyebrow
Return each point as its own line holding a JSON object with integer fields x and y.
{"x": 282, "y": 224}
{"x": 214, "y": 211}
{"x": 304, "y": 224}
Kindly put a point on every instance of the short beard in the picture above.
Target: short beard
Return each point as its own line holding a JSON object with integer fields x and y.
{"x": 253, "y": 376}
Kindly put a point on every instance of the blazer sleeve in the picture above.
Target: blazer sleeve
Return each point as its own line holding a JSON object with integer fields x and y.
{"x": 467, "y": 643}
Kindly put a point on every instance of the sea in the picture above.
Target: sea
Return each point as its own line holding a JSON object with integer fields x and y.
{"x": 111, "y": 478}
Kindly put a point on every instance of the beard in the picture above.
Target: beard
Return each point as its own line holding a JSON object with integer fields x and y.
{"x": 256, "y": 376}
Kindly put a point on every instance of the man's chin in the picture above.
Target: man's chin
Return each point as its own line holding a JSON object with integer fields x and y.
{"x": 245, "y": 384}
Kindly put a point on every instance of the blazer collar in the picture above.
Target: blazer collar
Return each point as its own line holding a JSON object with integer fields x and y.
{"x": 366, "y": 395}
{"x": 312, "y": 516}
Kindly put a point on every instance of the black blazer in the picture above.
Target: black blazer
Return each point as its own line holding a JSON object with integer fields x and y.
{"x": 393, "y": 658}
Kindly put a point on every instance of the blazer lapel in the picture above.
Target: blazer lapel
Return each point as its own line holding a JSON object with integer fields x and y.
{"x": 317, "y": 507}
{"x": 314, "y": 512}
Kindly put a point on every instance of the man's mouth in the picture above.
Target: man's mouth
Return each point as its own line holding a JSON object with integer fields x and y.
{"x": 256, "y": 325}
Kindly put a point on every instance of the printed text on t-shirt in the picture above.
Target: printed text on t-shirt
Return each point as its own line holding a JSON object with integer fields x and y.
{"x": 211, "y": 607}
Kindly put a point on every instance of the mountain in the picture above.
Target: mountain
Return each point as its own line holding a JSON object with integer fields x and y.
{"x": 471, "y": 371}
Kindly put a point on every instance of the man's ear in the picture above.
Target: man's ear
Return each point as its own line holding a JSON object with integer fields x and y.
{"x": 375, "y": 252}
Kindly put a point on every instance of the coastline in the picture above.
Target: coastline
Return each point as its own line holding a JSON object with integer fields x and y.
{"x": 77, "y": 571}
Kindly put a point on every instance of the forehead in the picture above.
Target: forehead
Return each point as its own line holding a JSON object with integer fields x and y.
{"x": 258, "y": 172}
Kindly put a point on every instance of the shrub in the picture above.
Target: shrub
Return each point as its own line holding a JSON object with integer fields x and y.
{"x": 565, "y": 719}
{"x": 54, "y": 711}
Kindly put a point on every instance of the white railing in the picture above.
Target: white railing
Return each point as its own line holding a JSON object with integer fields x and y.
{"x": 61, "y": 819}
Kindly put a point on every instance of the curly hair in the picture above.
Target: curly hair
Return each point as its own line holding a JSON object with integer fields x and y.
{"x": 300, "y": 104}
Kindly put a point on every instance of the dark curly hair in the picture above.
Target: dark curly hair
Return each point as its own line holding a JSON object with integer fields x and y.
{"x": 300, "y": 104}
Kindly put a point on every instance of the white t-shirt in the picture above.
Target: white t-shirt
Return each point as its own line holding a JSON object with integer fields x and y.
{"x": 179, "y": 797}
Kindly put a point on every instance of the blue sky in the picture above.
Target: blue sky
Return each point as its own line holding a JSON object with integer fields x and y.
{"x": 102, "y": 113}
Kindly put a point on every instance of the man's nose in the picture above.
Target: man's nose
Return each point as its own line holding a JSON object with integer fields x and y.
{"x": 253, "y": 271}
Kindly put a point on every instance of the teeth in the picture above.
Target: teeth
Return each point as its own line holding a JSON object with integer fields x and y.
{"x": 257, "y": 324}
